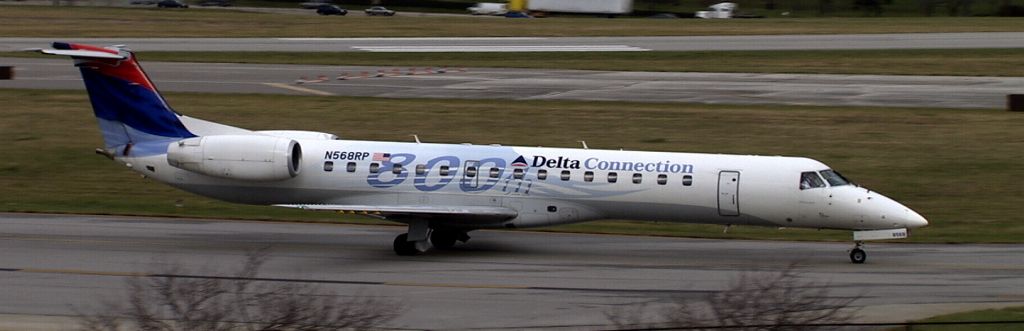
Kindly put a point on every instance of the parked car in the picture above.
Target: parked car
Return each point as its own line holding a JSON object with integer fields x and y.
{"x": 488, "y": 8}
{"x": 314, "y": 4}
{"x": 218, "y": 3}
{"x": 171, "y": 4}
{"x": 378, "y": 10}
{"x": 331, "y": 10}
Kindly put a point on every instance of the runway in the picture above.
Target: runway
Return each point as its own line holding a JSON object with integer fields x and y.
{"x": 533, "y": 44}
{"x": 53, "y": 264}
{"x": 540, "y": 84}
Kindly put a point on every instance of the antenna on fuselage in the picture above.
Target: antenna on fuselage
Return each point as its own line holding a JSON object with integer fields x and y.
{"x": 584, "y": 142}
{"x": 417, "y": 138}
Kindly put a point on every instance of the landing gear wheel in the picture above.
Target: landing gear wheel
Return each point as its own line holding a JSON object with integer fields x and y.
{"x": 443, "y": 239}
{"x": 404, "y": 247}
{"x": 858, "y": 256}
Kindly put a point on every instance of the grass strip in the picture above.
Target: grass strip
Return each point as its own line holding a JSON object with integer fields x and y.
{"x": 956, "y": 167}
{"x": 959, "y": 62}
{"x": 78, "y": 22}
{"x": 1005, "y": 314}
{"x": 953, "y": 62}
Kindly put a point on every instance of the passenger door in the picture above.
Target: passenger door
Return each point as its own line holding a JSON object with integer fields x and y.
{"x": 729, "y": 193}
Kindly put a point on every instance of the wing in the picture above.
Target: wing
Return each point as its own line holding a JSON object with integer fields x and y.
{"x": 401, "y": 213}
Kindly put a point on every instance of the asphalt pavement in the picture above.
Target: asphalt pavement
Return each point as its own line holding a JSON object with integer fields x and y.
{"x": 54, "y": 265}
{"x": 542, "y": 84}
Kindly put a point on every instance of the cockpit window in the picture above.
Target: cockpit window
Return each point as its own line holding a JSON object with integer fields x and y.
{"x": 809, "y": 180}
{"x": 834, "y": 178}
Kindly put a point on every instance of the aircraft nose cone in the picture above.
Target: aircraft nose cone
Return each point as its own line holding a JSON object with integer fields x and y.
{"x": 915, "y": 220}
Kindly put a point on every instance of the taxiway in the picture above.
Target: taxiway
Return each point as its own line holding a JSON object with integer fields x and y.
{"x": 540, "y": 84}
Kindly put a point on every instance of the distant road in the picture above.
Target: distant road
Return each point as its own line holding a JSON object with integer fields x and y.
{"x": 533, "y": 44}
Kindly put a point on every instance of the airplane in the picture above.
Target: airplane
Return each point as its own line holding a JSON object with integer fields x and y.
{"x": 444, "y": 191}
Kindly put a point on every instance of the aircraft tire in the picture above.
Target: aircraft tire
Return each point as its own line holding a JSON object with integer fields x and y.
{"x": 441, "y": 239}
{"x": 404, "y": 247}
{"x": 858, "y": 256}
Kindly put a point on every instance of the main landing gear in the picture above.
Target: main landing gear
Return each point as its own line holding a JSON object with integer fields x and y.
{"x": 857, "y": 254}
{"x": 415, "y": 241}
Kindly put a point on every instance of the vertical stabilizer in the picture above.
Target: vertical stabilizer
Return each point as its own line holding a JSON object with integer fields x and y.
{"x": 129, "y": 108}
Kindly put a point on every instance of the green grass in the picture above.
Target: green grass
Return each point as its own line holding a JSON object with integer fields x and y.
{"x": 965, "y": 62}
{"x": 956, "y": 167}
{"x": 79, "y": 22}
{"x": 1006, "y": 314}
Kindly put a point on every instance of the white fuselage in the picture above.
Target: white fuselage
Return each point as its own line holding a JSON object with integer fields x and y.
{"x": 580, "y": 185}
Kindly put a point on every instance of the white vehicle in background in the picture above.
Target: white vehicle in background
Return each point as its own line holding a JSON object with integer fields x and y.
{"x": 721, "y": 10}
{"x": 488, "y": 8}
{"x": 610, "y": 7}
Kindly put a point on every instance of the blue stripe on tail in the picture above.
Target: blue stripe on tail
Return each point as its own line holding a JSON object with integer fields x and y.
{"x": 129, "y": 113}
{"x": 140, "y": 108}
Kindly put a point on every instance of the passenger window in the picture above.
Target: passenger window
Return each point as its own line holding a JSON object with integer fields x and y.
{"x": 687, "y": 180}
{"x": 329, "y": 166}
{"x": 374, "y": 167}
{"x": 637, "y": 178}
{"x": 542, "y": 174}
{"x": 565, "y": 175}
{"x": 518, "y": 173}
{"x": 662, "y": 179}
{"x": 396, "y": 169}
{"x": 421, "y": 169}
{"x": 588, "y": 176}
{"x": 495, "y": 172}
{"x": 613, "y": 177}
{"x": 351, "y": 167}
{"x": 470, "y": 172}
{"x": 444, "y": 170}
{"x": 809, "y": 180}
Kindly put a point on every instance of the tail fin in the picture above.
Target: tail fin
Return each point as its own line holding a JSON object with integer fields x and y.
{"x": 128, "y": 107}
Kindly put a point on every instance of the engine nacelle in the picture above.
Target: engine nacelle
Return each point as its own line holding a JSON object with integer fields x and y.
{"x": 243, "y": 157}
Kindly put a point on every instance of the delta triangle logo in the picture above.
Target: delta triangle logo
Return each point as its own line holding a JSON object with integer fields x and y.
{"x": 519, "y": 162}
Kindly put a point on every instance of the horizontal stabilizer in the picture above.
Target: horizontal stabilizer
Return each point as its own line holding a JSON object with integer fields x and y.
{"x": 83, "y": 53}
{"x": 481, "y": 214}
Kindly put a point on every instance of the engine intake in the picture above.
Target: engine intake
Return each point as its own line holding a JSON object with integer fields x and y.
{"x": 243, "y": 157}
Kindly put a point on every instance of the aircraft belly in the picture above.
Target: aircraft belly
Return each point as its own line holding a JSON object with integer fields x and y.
{"x": 675, "y": 213}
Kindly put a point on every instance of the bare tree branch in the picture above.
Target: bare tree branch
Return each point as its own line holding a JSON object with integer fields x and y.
{"x": 174, "y": 300}
{"x": 772, "y": 300}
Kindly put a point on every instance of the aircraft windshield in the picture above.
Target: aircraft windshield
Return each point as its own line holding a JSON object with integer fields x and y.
{"x": 809, "y": 180}
{"x": 834, "y": 178}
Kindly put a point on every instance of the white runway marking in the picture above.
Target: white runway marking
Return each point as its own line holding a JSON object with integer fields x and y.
{"x": 501, "y": 48}
{"x": 298, "y": 89}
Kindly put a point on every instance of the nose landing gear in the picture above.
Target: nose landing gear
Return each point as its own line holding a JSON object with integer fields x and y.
{"x": 857, "y": 254}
